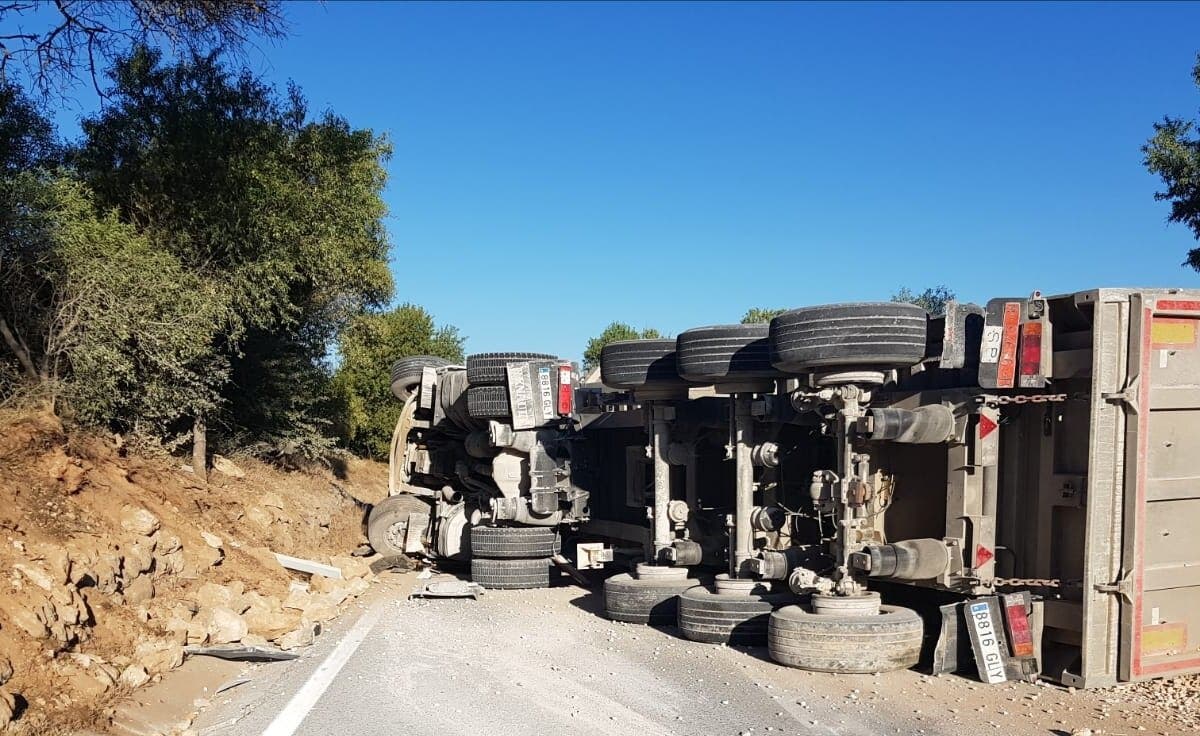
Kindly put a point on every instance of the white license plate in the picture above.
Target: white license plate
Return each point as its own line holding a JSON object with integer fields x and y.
{"x": 991, "y": 663}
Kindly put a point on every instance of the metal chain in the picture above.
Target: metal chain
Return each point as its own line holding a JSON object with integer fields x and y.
{"x": 1033, "y": 399}
{"x": 1029, "y": 582}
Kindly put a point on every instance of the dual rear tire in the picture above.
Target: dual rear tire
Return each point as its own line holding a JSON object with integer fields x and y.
{"x": 513, "y": 557}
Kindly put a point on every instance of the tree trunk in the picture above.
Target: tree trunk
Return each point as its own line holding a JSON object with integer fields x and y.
{"x": 200, "y": 449}
{"x": 19, "y": 350}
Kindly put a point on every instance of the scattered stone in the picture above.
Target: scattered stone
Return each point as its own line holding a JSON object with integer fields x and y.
{"x": 6, "y": 670}
{"x": 134, "y": 676}
{"x": 225, "y": 466}
{"x": 225, "y": 626}
{"x": 159, "y": 655}
{"x": 301, "y": 637}
{"x": 139, "y": 521}
{"x": 37, "y": 576}
{"x": 351, "y": 567}
{"x": 8, "y": 708}
{"x": 212, "y": 540}
{"x": 140, "y": 590}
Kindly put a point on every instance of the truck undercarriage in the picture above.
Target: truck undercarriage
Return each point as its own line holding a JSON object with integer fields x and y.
{"x": 860, "y": 487}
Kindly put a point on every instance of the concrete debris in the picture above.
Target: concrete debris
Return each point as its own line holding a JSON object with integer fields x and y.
{"x": 312, "y": 567}
{"x": 139, "y": 521}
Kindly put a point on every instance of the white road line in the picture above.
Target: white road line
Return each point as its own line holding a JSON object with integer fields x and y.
{"x": 297, "y": 709}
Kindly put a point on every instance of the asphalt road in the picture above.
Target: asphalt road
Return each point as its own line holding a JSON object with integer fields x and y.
{"x": 542, "y": 662}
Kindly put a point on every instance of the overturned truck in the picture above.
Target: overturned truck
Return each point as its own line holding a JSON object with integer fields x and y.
{"x": 861, "y": 487}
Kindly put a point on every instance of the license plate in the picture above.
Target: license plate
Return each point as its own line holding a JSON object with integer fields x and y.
{"x": 989, "y": 658}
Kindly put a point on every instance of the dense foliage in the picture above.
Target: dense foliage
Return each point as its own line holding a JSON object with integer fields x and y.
{"x": 195, "y": 260}
{"x": 369, "y": 344}
{"x": 1173, "y": 153}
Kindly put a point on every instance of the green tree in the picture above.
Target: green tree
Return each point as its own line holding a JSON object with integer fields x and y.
{"x": 932, "y": 300}
{"x": 362, "y": 383}
{"x": 278, "y": 214}
{"x": 109, "y": 329}
{"x": 760, "y": 315}
{"x": 614, "y": 332}
{"x": 1173, "y": 154}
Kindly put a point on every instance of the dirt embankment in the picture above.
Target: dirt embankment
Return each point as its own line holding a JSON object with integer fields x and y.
{"x": 116, "y": 563}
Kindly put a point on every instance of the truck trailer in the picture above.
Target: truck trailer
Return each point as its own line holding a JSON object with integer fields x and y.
{"x": 1008, "y": 488}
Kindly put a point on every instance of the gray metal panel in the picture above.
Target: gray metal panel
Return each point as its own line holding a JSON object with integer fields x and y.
{"x": 1101, "y": 612}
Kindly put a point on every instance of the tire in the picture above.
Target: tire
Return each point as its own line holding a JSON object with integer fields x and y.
{"x": 717, "y": 618}
{"x": 388, "y": 521}
{"x": 650, "y": 600}
{"x": 511, "y": 574}
{"x": 488, "y": 402}
{"x": 490, "y": 369}
{"x": 637, "y": 363}
{"x": 406, "y": 373}
{"x": 874, "y": 334}
{"x": 514, "y": 542}
{"x": 726, "y": 353}
{"x": 846, "y": 644}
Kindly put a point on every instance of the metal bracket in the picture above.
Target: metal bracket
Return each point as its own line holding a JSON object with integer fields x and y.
{"x": 1122, "y": 587}
{"x": 1127, "y": 396}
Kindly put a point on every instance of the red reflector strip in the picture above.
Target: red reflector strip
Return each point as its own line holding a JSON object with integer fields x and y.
{"x": 566, "y": 397}
{"x": 1019, "y": 635}
{"x": 1006, "y": 371}
{"x": 1175, "y": 305}
{"x": 1031, "y": 349}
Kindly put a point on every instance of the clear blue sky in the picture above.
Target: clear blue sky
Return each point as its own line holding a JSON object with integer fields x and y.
{"x": 558, "y": 167}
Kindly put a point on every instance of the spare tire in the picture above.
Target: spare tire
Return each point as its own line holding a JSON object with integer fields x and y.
{"x": 490, "y": 369}
{"x": 488, "y": 402}
{"x": 637, "y": 363}
{"x": 505, "y": 542}
{"x": 406, "y": 373}
{"x": 846, "y": 644}
{"x": 511, "y": 574}
{"x": 725, "y": 353}
{"x": 868, "y": 334}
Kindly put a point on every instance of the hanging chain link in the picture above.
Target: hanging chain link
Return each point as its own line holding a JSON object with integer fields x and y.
{"x": 1030, "y": 583}
{"x": 1033, "y": 399}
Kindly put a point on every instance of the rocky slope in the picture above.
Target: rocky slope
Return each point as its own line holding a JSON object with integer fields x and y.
{"x": 116, "y": 563}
